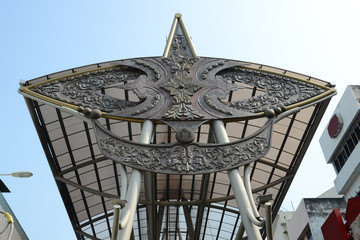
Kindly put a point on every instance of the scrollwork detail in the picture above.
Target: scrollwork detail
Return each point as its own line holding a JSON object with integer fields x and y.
{"x": 179, "y": 158}
{"x": 211, "y": 104}
{"x": 278, "y": 89}
{"x": 84, "y": 89}
{"x": 183, "y": 92}
{"x": 154, "y": 103}
{"x": 184, "y": 159}
{"x": 151, "y": 67}
{"x": 212, "y": 66}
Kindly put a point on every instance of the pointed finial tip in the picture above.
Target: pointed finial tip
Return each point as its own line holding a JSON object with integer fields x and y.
{"x": 178, "y": 15}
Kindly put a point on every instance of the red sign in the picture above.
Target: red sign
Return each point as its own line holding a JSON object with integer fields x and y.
{"x": 334, "y": 227}
{"x": 352, "y": 209}
{"x": 335, "y": 125}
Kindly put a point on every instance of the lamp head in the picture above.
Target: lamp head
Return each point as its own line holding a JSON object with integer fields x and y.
{"x": 21, "y": 174}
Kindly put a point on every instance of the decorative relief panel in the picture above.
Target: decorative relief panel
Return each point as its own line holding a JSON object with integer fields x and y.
{"x": 278, "y": 89}
{"x": 177, "y": 158}
{"x": 178, "y": 88}
{"x": 85, "y": 89}
{"x": 181, "y": 86}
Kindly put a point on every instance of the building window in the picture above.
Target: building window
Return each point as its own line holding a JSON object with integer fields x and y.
{"x": 357, "y": 130}
{"x": 337, "y": 166}
{"x": 350, "y": 144}
{"x": 347, "y": 147}
{"x": 347, "y": 151}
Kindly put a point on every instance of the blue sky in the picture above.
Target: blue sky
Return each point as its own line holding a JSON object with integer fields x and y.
{"x": 317, "y": 38}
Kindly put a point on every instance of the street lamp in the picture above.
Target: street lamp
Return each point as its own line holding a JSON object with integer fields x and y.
{"x": 18, "y": 174}
{"x": 23, "y": 174}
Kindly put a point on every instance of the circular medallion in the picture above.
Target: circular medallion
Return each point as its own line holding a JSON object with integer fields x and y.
{"x": 185, "y": 135}
{"x": 335, "y": 125}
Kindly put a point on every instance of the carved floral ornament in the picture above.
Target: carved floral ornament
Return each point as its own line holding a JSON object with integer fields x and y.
{"x": 180, "y": 158}
{"x": 179, "y": 89}
{"x": 199, "y": 92}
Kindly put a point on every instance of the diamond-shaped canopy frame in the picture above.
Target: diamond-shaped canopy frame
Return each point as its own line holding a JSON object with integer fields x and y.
{"x": 182, "y": 93}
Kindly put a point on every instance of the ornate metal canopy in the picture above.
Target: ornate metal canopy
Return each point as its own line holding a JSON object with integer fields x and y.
{"x": 183, "y": 94}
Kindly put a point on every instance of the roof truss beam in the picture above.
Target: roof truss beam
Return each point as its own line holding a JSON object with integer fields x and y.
{"x": 149, "y": 181}
{"x": 189, "y": 224}
{"x": 201, "y": 207}
{"x": 86, "y": 189}
{"x": 159, "y": 221}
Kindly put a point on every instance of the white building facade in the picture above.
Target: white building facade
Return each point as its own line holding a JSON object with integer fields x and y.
{"x": 339, "y": 143}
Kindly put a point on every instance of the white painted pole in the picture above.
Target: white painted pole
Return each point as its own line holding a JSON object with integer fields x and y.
{"x": 268, "y": 220}
{"x": 116, "y": 219}
{"x": 133, "y": 192}
{"x": 238, "y": 188}
{"x": 249, "y": 191}
{"x": 124, "y": 182}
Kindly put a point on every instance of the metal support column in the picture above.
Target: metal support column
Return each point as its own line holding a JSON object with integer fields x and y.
{"x": 268, "y": 219}
{"x": 116, "y": 220}
{"x": 133, "y": 192}
{"x": 149, "y": 181}
{"x": 159, "y": 218}
{"x": 237, "y": 184}
{"x": 189, "y": 224}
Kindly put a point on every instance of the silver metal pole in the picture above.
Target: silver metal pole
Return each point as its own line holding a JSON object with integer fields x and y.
{"x": 237, "y": 184}
{"x": 268, "y": 221}
{"x": 115, "y": 222}
{"x": 248, "y": 190}
{"x": 240, "y": 232}
{"x": 133, "y": 192}
{"x": 124, "y": 182}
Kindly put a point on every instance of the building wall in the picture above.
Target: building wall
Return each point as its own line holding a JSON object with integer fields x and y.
{"x": 348, "y": 175}
{"x": 308, "y": 218}
{"x": 348, "y": 107}
{"x": 354, "y": 189}
{"x": 298, "y": 224}
{"x": 18, "y": 232}
{"x": 347, "y": 180}
{"x": 280, "y": 231}
{"x": 319, "y": 209}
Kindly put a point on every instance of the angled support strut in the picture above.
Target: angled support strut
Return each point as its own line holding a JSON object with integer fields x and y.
{"x": 133, "y": 191}
{"x": 241, "y": 195}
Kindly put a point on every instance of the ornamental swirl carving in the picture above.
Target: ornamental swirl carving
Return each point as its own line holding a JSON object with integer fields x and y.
{"x": 85, "y": 89}
{"x": 153, "y": 103}
{"x": 151, "y": 67}
{"x": 187, "y": 89}
{"x": 177, "y": 158}
{"x": 278, "y": 89}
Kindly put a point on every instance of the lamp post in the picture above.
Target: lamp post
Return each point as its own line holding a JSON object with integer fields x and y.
{"x": 23, "y": 174}
{"x": 3, "y": 188}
